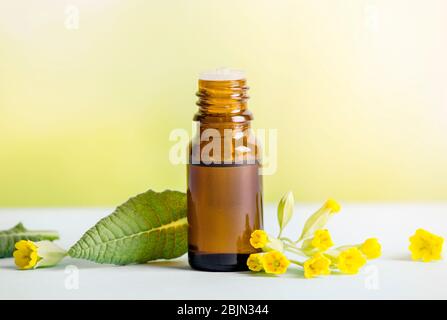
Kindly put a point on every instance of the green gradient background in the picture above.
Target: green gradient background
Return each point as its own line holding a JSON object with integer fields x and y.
{"x": 356, "y": 89}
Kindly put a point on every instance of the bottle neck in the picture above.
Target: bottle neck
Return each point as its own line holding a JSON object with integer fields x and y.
{"x": 223, "y": 101}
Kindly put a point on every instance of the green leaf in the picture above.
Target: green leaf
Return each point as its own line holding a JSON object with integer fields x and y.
{"x": 147, "y": 227}
{"x": 285, "y": 210}
{"x": 9, "y": 237}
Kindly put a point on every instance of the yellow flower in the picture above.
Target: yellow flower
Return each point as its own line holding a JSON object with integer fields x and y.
{"x": 275, "y": 262}
{"x": 350, "y": 261}
{"x": 425, "y": 246}
{"x": 371, "y": 248}
{"x": 332, "y": 205}
{"x": 322, "y": 240}
{"x": 259, "y": 239}
{"x": 31, "y": 255}
{"x": 254, "y": 262}
{"x": 317, "y": 265}
{"x": 25, "y": 254}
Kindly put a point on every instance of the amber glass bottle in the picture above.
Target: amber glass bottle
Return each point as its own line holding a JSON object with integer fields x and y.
{"x": 224, "y": 184}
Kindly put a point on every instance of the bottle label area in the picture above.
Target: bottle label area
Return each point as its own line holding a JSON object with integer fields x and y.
{"x": 224, "y": 208}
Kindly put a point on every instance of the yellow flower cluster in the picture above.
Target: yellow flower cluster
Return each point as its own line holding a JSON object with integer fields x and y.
{"x": 273, "y": 262}
{"x": 315, "y": 242}
{"x": 348, "y": 261}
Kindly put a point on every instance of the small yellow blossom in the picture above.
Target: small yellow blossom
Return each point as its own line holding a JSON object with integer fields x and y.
{"x": 25, "y": 254}
{"x": 275, "y": 262}
{"x": 317, "y": 265}
{"x": 31, "y": 255}
{"x": 322, "y": 240}
{"x": 350, "y": 261}
{"x": 254, "y": 262}
{"x": 259, "y": 239}
{"x": 371, "y": 248}
{"x": 425, "y": 246}
{"x": 333, "y": 205}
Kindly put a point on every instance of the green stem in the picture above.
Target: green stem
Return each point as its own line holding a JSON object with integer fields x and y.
{"x": 287, "y": 240}
{"x": 294, "y": 250}
{"x": 297, "y": 262}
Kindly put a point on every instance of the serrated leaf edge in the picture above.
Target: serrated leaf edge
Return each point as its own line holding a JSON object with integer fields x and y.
{"x": 174, "y": 224}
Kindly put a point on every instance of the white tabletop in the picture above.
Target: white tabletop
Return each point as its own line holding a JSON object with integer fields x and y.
{"x": 392, "y": 276}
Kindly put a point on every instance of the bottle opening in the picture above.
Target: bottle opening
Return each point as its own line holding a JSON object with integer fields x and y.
{"x": 222, "y": 74}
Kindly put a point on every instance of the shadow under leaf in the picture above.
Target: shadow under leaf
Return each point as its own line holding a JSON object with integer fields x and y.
{"x": 172, "y": 264}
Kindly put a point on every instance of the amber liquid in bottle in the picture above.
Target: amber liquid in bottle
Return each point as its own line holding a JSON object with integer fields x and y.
{"x": 224, "y": 185}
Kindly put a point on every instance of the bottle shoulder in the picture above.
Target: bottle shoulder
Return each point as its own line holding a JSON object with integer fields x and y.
{"x": 228, "y": 145}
